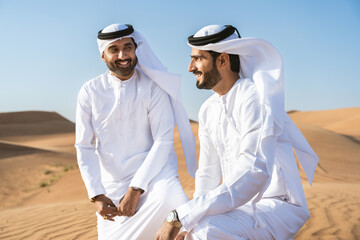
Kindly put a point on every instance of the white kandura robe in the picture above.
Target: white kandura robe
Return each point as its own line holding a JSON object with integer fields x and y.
{"x": 124, "y": 137}
{"x": 261, "y": 194}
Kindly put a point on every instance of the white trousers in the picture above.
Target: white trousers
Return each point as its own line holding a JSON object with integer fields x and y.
{"x": 280, "y": 220}
{"x": 164, "y": 194}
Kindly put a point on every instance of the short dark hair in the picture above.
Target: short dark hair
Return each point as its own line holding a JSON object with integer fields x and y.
{"x": 234, "y": 60}
{"x": 134, "y": 42}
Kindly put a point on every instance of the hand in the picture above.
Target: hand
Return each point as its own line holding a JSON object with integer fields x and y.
{"x": 105, "y": 207}
{"x": 128, "y": 204}
{"x": 167, "y": 232}
{"x": 181, "y": 236}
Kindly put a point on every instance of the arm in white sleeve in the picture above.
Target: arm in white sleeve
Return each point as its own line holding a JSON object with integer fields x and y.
{"x": 88, "y": 161}
{"x": 208, "y": 175}
{"x": 249, "y": 171}
{"x": 161, "y": 121}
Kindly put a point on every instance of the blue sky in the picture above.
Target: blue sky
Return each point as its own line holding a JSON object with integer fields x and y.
{"x": 48, "y": 48}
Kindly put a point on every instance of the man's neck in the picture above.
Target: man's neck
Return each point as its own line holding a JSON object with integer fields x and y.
{"x": 224, "y": 86}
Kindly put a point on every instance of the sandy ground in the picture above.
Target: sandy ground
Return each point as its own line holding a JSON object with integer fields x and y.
{"x": 42, "y": 195}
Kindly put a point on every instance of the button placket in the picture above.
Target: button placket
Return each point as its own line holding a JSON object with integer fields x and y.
{"x": 121, "y": 109}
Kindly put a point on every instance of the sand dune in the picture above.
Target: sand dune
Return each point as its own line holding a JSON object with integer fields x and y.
{"x": 28, "y": 117}
{"x": 344, "y": 121}
{"x": 8, "y": 149}
{"x": 16, "y": 125}
{"x": 35, "y": 150}
{"x": 42, "y": 195}
{"x": 334, "y": 198}
{"x": 339, "y": 154}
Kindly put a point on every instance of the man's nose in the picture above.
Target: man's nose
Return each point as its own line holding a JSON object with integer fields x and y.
{"x": 191, "y": 66}
{"x": 122, "y": 55}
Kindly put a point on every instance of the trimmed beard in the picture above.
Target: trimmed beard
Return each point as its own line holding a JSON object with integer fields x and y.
{"x": 211, "y": 78}
{"x": 121, "y": 71}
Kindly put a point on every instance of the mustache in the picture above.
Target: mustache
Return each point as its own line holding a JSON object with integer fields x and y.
{"x": 196, "y": 72}
{"x": 124, "y": 60}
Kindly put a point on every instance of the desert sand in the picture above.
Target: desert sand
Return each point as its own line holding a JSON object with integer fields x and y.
{"x": 42, "y": 195}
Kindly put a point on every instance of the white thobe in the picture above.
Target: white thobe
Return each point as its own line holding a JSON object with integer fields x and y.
{"x": 124, "y": 137}
{"x": 247, "y": 176}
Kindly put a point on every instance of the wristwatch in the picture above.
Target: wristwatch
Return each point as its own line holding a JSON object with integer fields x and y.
{"x": 173, "y": 219}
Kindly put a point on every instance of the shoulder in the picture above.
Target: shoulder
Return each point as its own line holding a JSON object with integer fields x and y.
{"x": 209, "y": 102}
{"x": 144, "y": 82}
{"x": 145, "y": 86}
{"x": 86, "y": 92}
{"x": 93, "y": 84}
{"x": 246, "y": 89}
{"x": 208, "y": 107}
{"x": 246, "y": 101}
{"x": 243, "y": 92}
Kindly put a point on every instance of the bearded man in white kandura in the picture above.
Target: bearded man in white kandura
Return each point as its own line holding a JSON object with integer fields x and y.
{"x": 248, "y": 185}
{"x": 125, "y": 123}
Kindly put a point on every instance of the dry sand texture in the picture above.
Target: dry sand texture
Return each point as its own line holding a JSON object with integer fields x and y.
{"x": 42, "y": 195}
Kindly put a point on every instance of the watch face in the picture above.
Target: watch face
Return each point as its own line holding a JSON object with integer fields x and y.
{"x": 170, "y": 217}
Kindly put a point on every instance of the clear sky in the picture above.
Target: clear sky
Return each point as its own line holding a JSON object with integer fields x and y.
{"x": 48, "y": 48}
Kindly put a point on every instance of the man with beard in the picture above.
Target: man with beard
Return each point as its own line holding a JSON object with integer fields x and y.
{"x": 247, "y": 185}
{"x": 124, "y": 137}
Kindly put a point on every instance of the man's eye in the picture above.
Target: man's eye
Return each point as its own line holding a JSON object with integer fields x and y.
{"x": 113, "y": 50}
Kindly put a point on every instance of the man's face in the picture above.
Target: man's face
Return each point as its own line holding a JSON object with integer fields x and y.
{"x": 120, "y": 58}
{"x": 203, "y": 67}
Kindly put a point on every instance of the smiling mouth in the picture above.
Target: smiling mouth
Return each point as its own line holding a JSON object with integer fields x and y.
{"x": 197, "y": 74}
{"x": 123, "y": 63}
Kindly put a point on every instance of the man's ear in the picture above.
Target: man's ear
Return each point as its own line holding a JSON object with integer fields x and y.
{"x": 103, "y": 57}
{"x": 224, "y": 60}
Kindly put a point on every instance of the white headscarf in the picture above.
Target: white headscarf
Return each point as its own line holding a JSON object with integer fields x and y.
{"x": 169, "y": 82}
{"x": 262, "y": 63}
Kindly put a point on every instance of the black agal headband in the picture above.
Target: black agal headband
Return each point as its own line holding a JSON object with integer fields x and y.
{"x": 117, "y": 34}
{"x": 214, "y": 38}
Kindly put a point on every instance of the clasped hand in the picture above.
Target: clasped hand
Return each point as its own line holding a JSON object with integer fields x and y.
{"x": 127, "y": 206}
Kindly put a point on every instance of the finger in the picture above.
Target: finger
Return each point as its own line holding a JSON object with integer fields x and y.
{"x": 129, "y": 213}
{"x": 111, "y": 217}
{"x": 128, "y": 210}
{"x": 133, "y": 212}
{"x": 181, "y": 236}
{"x": 119, "y": 212}
{"x": 174, "y": 233}
{"x": 124, "y": 210}
{"x": 109, "y": 210}
{"x": 108, "y": 218}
